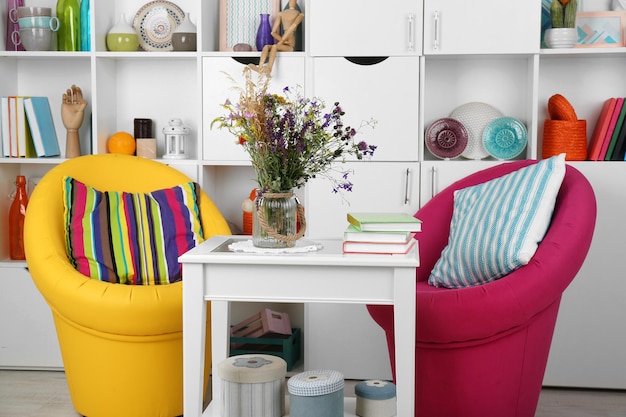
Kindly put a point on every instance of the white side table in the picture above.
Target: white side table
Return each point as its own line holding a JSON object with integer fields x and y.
{"x": 213, "y": 273}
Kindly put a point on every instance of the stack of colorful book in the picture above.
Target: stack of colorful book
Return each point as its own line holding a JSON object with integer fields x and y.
{"x": 384, "y": 233}
{"x": 608, "y": 142}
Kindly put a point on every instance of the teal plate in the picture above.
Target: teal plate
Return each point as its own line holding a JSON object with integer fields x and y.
{"x": 505, "y": 138}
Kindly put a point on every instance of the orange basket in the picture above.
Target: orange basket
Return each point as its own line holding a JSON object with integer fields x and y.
{"x": 561, "y": 109}
{"x": 564, "y": 136}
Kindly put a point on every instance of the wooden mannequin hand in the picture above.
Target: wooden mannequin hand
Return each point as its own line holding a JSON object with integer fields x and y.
{"x": 73, "y": 108}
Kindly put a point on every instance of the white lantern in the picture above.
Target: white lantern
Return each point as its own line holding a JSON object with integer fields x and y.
{"x": 175, "y": 135}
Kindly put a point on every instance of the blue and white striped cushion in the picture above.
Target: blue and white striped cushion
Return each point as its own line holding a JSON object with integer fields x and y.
{"x": 496, "y": 226}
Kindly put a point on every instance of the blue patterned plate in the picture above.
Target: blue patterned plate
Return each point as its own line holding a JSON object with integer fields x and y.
{"x": 505, "y": 138}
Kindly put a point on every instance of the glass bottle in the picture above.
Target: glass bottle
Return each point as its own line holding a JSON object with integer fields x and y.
{"x": 264, "y": 33}
{"x": 68, "y": 35}
{"x": 17, "y": 214}
{"x": 85, "y": 25}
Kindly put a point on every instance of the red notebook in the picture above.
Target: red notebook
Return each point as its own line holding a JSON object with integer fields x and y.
{"x": 602, "y": 125}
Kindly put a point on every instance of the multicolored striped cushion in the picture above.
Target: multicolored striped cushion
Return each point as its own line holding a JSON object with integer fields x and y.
{"x": 497, "y": 225}
{"x": 130, "y": 238}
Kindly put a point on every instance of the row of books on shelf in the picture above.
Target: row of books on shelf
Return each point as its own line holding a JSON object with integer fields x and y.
{"x": 608, "y": 142}
{"x": 27, "y": 127}
{"x": 383, "y": 233}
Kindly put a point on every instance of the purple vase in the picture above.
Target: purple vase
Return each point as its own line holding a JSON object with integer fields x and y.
{"x": 264, "y": 33}
{"x": 12, "y": 25}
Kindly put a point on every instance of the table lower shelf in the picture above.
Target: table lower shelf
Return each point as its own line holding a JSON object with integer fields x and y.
{"x": 349, "y": 407}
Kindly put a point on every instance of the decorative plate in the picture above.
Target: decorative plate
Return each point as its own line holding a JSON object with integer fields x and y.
{"x": 446, "y": 138}
{"x": 505, "y": 138}
{"x": 475, "y": 117}
{"x": 155, "y": 22}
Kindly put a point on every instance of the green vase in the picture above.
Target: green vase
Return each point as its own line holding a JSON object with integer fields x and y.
{"x": 68, "y": 35}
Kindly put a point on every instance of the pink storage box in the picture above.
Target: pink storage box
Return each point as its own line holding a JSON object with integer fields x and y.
{"x": 262, "y": 324}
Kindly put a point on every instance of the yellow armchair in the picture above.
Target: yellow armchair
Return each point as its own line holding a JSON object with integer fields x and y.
{"x": 121, "y": 344}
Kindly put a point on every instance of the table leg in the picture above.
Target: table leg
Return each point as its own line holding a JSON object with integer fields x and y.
{"x": 404, "y": 325}
{"x": 194, "y": 329}
{"x": 220, "y": 340}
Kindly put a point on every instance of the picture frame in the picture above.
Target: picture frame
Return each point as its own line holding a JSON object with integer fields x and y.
{"x": 600, "y": 29}
{"x": 239, "y": 21}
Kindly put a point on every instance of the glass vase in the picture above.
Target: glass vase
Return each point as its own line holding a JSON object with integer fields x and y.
{"x": 68, "y": 35}
{"x": 264, "y": 32}
{"x": 85, "y": 25}
{"x": 275, "y": 223}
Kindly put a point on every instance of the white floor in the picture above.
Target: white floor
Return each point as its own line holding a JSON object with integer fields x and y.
{"x": 44, "y": 394}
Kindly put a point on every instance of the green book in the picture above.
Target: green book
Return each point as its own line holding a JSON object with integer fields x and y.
{"x": 385, "y": 222}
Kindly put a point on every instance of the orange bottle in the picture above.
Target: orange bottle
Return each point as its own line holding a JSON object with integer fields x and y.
{"x": 17, "y": 213}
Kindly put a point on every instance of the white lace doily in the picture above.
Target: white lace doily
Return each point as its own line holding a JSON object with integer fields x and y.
{"x": 302, "y": 246}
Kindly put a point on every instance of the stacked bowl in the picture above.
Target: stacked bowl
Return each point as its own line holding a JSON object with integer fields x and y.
{"x": 36, "y": 26}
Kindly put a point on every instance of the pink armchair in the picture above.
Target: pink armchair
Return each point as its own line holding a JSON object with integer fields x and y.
{"x": 482, "y": 351}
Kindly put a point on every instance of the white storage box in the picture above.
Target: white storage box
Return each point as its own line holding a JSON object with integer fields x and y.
{"x": 375, "y": 398}
{"x": 316, "y": 393}
{"x": 253, "y": 386}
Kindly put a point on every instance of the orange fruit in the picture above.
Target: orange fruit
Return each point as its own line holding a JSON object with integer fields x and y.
{"x": 121, "y": 142}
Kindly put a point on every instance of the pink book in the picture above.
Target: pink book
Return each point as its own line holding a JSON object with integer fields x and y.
{"x": 609, "y": 132}
{"x": 602, "y": 125}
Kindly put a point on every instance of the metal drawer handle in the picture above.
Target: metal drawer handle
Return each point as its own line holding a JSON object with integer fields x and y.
{"x": 410, "y": 32}
{"x": 436, "y": 30}
{"x": 433, "y": 181}
{"x": 406, "y": 186}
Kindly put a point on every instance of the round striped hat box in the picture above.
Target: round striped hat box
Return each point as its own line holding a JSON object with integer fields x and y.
{"x": 253, "y": 385}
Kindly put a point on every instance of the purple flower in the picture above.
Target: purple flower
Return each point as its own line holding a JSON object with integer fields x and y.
{"x": 343, "y": 186}
{"x": 291, "y": 139}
